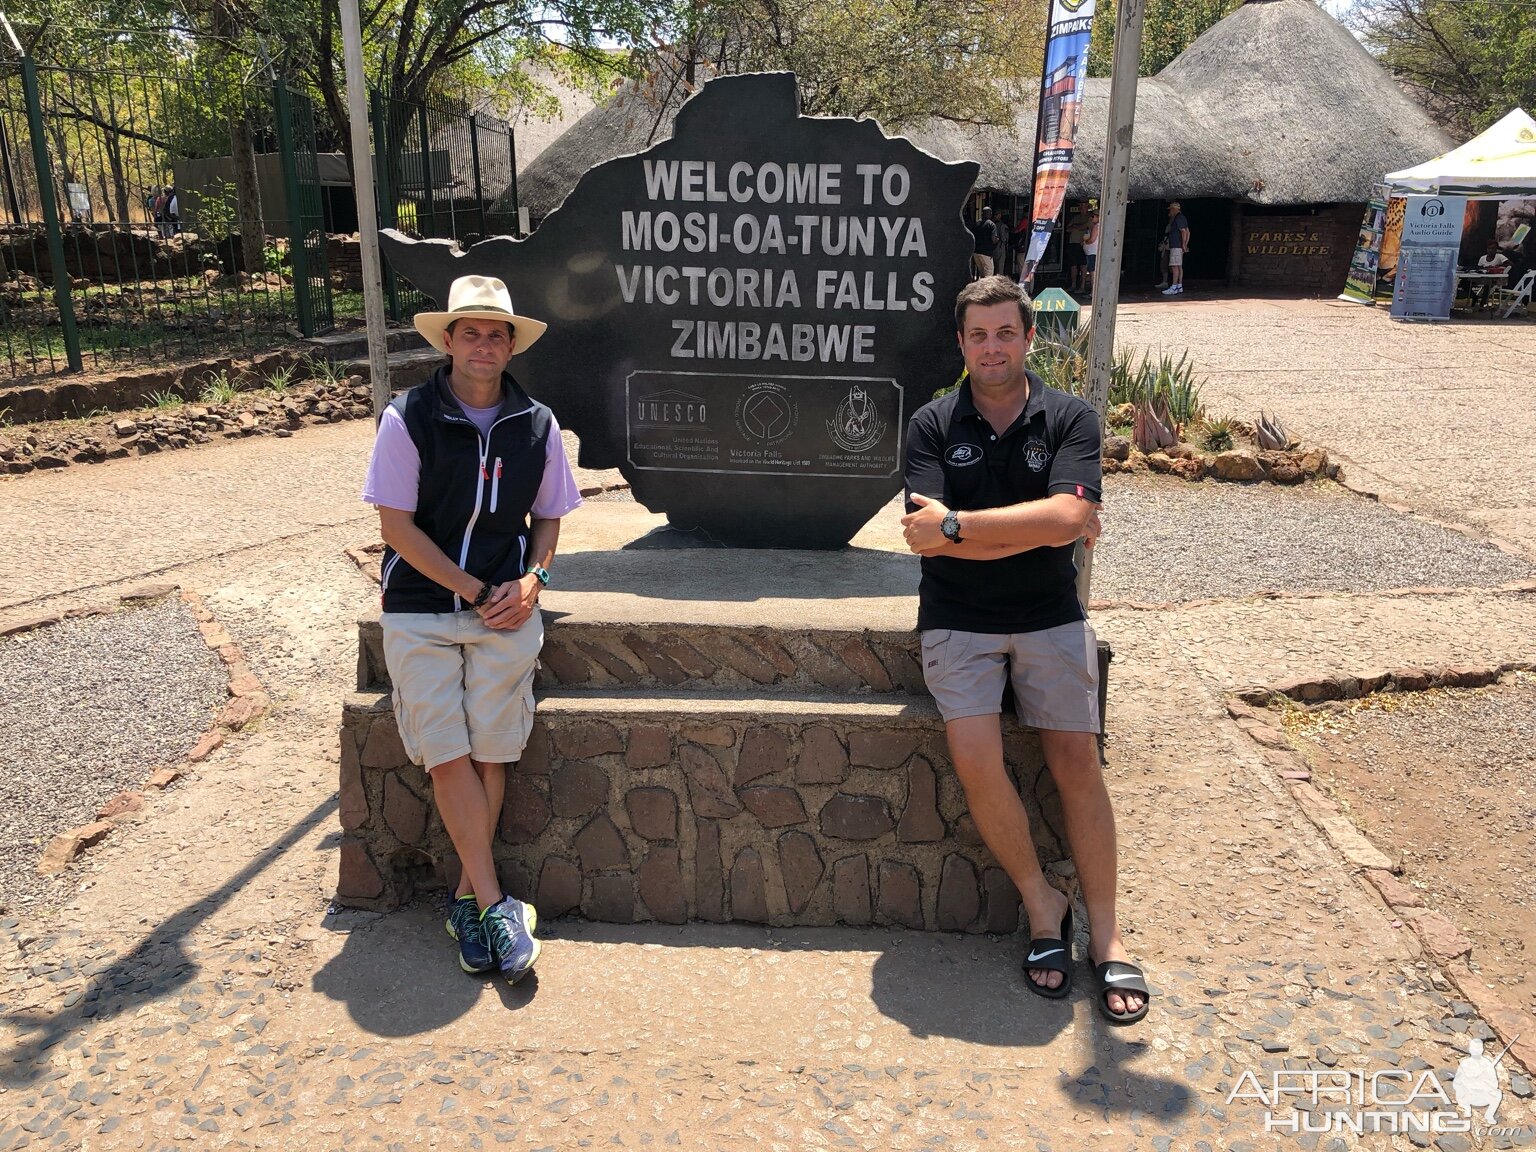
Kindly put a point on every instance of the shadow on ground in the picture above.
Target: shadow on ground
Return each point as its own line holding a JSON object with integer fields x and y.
{"x": 397, "y": 977}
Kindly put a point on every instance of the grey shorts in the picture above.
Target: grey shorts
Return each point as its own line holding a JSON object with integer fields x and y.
{"x": 461, "y": 688}
{"x": 1055, "y": 675}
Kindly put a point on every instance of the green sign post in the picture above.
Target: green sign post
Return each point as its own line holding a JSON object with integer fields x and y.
{"x": 1056, "y": 315}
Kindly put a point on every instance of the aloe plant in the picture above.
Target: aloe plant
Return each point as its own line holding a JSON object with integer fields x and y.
{"x": 1271, "y": 433}
{"x": 1155, "y": 428}
{"x": 1216, "y": 435}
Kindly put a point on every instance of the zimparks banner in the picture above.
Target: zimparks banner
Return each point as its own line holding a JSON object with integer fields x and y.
{"x": 1361, "y": 283}
{"x": 1061, "y": 105}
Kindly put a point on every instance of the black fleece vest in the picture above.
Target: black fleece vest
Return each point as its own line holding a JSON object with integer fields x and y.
{"x": 475, "y": 492}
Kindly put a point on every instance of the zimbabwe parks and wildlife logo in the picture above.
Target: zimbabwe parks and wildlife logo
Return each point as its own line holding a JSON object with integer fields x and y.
{"x": 856, "y": 426}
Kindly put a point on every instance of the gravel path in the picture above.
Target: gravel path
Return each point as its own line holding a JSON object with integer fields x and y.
{"x": 1168, "y": 541}
{"x": 90, "y": 707}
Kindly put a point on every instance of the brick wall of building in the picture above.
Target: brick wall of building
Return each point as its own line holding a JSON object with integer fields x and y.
{"x": 1305, "y": 254}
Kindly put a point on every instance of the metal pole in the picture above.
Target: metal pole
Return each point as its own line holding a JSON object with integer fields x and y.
{"x": 50, "y": 209}
{"x": 367, "y": 209}
{"x": 517, "y": 215}
{"x": 1114, "y": 190}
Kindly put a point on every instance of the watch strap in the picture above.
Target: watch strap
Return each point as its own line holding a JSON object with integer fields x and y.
{"x": 541, "y": 573}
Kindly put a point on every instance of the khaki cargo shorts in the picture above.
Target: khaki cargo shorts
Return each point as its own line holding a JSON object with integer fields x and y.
{"x": 461, "y": 688}
{"x": 1054, "y": 673}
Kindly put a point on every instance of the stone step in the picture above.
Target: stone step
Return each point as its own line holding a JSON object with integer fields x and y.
{"x": 603, "y": 657}
{"x": 339, "y": 347}
{"x": 407, "y": 368}
{"x": 672, "y": 806}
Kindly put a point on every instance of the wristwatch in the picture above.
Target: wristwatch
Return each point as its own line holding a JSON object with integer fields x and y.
{"x": 485, "y": 594}
{"x": 950, "y": 526}
{"x": 541, "y": 573}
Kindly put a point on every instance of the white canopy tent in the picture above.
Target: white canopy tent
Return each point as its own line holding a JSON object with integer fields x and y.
{"x": 1500, "y": 162}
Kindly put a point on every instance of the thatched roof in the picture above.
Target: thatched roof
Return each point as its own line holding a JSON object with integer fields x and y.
{"x": 1275, "y": 104}
{"x": 1324, "y": 121}
{"x": 1174, "y": 153}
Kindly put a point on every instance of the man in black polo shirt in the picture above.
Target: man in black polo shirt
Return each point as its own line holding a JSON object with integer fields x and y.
{"x": 1003, "y": 477}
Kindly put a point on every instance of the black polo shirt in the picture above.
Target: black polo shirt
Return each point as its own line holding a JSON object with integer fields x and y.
{"x": 954, "y": 454}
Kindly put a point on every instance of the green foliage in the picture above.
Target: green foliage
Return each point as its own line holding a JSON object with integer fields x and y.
{"x": 216, "y": 212}
{"x": 1468, "y": 61}
{"x": 325, "y": 371}
{"x": 1216, "y": 435}
{"x": 219, "y": 389}
{"x": 1168, "y": 27}
{"x": 165, "y": 400}
{"x": 898, "y": 61}
{"x": 281, "y": 379}
{"x": 1163, "y": 380}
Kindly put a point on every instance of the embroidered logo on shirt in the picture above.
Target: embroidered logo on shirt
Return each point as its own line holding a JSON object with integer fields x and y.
{"x": 962, "y": 454}
{"x": 1036, "y": 455}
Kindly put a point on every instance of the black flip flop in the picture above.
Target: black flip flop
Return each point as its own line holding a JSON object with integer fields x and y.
{"x": 1049, "y": 954}
{"x": 1118, "y": 976}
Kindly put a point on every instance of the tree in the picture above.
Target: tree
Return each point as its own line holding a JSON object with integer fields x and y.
{"x": 900, "y": 61}
{"x": 1168, "y": 27}
{"x": 1468, "y": 61}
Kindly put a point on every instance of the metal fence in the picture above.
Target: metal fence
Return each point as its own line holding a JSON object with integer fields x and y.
{"x": 441, "y": 174}
{"x": 151, "y": 217}
{"x": 133, "y": 222}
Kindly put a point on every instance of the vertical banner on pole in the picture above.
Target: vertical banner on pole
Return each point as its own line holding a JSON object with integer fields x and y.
{"x": 1360, "y": 286}
{"x": 1061, "y": 103}
{"x": 1426, "y": 268}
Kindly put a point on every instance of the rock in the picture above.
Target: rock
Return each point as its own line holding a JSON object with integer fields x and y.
{"x": 206, "y": 747}
{"x": 559, "y": 887}
{"x": 1314, "y": 462}
{"x": 66, "y": 847}
{"x": 764, "y": 751}
{"x": 524, "y": 811}
{"x": 120, "y": 805}
{"x": 749, "y": 899}
{"x": 359, "y": 877}
{"x": 652, "y": 812}
{"x": 774, "y": 807}
{"x": 586, "y": 739}
{"x": 45, "y": 460}
{"x": 850, "y": 890}
{"x": 578, "y": 788}
{"x": 1190, "y": 469}
{"x": 880, "y": 748}
{"x": 1160, "y": 462}
{"x": 920, "y": 822}
{"x": 708, "y": 789}
{"x": 823, "y": 759}
{"x": 708, "y": 872}
{"x": 1002, "y": 902}
{"x": 900, "y": 894}
{"x": 384, "y": 748}
{"x": 1117, "y": 448}
{"x": 613, "y": 899}
{"x": 661, "y": 886}
{"x": 600, "y": 845}
{"x": 959, "y": 896}
{"x": 650, "y": 746}
{"x": 352, "y": 801}
{"x": 163, "y": 778}
{"x": 1238, "y": 464}
{"x": 801, "y": 866}
{"x": 1181, "y": 451}
{"x": 124, "y": 428}
{"x": 404, "y": 811}
{"x": 851, "y": 817}
{"x": 1442, "y": 939}
{"x": 1286, "y": 472}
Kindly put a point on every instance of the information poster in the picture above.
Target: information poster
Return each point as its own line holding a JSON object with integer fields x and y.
{"x": 1426, "y": 267}
{"x": 1360, "y": 286}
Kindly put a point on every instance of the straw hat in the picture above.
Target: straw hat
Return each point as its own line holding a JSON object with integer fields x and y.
{"x": 483, "y": 298}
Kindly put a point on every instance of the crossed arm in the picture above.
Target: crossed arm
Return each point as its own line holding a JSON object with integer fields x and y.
{"x": 510, "y": 605}
{"x": 993, "y": 533}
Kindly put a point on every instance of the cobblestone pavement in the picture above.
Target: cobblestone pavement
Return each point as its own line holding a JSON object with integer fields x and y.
{"x": 194, "y": 991}
{"x": 1434, "y": 416}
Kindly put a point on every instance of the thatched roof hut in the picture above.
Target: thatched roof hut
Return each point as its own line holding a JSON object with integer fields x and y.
{"x": 1275, "y": 104}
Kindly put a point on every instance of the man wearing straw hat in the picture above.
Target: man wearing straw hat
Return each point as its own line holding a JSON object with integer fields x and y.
{"x": 470, "y": 480}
